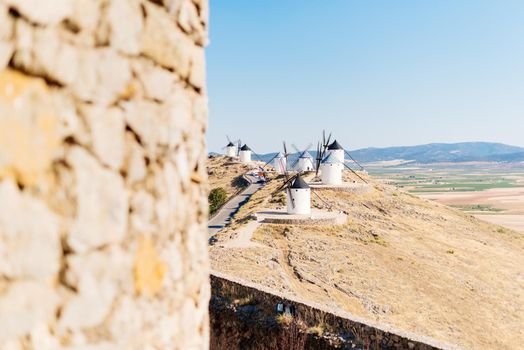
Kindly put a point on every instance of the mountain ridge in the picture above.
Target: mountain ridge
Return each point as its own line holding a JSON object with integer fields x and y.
{"x": 431, "y": 153}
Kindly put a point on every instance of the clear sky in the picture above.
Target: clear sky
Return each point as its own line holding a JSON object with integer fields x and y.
{"x": 377, "y": 73}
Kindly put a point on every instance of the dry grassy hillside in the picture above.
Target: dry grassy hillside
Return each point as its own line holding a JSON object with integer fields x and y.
{"x": 222, "y": 172}
{"x": 400, "y": 259}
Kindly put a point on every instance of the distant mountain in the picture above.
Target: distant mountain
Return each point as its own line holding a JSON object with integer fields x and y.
{"x": 444, "y": 153}
{"x": 432, "y": 153}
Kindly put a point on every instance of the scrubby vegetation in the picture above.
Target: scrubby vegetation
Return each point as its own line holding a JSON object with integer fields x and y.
{"x": 217, "y": 198}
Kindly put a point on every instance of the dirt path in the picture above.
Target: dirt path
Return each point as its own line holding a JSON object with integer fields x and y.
{"x": 243, "y": 238}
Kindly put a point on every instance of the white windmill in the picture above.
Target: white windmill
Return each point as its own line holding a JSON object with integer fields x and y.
{"x": 331, "y": 170}
{"x": 331, "y": 162}
{"x": 336, "y": 150}
{"x": 280, "y": 163}
{"x": 304, "y": 163}
{"x": 298, "y": 197}
{"x": 231, "y": 148}
{"x": 245, "y": 154}
{"x": 298, "y": 192}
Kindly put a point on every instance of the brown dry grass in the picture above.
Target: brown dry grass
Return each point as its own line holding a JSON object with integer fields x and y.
{"x": 226, "y": 174}
{"x": 391, "y": 262}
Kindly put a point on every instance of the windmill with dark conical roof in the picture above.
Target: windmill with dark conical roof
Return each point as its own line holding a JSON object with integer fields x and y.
{"x": 245, "y": 154}
{"x": 298, "y": 192}
{"x": 331, "y": 170}
{"x": 298, "y": 195}
{"x": 336, "y": 150}
{"x": 231, "y": 147}
{"x": 331, "y": 161}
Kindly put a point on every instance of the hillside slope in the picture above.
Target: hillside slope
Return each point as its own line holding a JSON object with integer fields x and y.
{"x": 226, "y": 174}
{"x": 400, "y": 259}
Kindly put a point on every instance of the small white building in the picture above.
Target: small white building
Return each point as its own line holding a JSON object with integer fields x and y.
{"x": 245, "y": 154}
{"x": 231, "y": 150}
{"x": 337, "y": 150}
{"x": 305, "y": 162}
{"x": 298, "y": 197}
{"x": 280, "y": 164}
{"x": 331, "y": 170}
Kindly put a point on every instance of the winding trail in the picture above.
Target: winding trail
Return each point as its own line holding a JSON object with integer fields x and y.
{"x": 224, "y": 215}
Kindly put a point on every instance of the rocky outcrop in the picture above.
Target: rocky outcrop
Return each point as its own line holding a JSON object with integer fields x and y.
{"x": 103, "y": 207}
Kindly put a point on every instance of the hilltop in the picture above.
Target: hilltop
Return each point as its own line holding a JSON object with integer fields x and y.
{"x": 400, "y": 259}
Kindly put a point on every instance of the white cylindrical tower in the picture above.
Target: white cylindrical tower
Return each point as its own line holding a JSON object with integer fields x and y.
{"x": 245, "y": 154}
{"x": 231, "y": 150}
{"x": 331, "y": 170}
{"x": 298, "y": 196}
{"x": 305, "y": 162}
{"x": 280, "y": 164}
{"x": 336, "y": 150}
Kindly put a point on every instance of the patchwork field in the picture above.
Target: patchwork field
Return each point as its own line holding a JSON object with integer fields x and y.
{"x": 491, "y": 192}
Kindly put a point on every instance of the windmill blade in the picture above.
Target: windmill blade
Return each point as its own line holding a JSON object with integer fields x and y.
{"x": 283, "y": 166}
{"x": 353, "y": 171}
{"x": 284, "y": 184}
{"x": 308, "y": 147}
{"x": 322, "y": 199}
{"x": 295, "y": 163}
{"x": 319, "y": 158}
{"x": 238, "y": 147}
{"x": 256, "y": 155}
{"x": 353, "y": 159}
{"x": 290, "y": 191}
{"x": 228, "y": 139}
{"x": 304, "y": 150}
{"x": 269, "y": 161}
{"x": 286, "y": 154}
{"x": 285, "y": 149}
{"x": 296, "y": 148}
{"x": 326, "y": 141}
{"x": 291, "y": 197}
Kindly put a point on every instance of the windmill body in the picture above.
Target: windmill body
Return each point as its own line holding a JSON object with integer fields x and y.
{"x": 280, "y": 164}
{"x": 331, "y": 170}
{"x": 298, "y": 197}
{"x": 305, "y": 162}
{"x": 245, "y": 154}
{"x": 231, "y": 150}
{"x": 337, "y": 151}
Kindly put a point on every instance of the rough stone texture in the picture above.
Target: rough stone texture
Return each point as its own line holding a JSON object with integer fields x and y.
{"x": 103, "y": 205}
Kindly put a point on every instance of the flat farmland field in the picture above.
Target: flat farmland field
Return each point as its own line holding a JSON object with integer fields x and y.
{"x": 491, "y": 192}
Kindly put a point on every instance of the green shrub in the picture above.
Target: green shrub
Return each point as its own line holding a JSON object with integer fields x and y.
{"x": 217, "y": 198}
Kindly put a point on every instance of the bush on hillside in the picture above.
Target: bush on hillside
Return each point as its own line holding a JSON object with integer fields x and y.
{"x": 217, "y": 198}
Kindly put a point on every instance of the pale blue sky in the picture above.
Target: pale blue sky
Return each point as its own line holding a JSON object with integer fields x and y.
{"x": 376, "y": 73}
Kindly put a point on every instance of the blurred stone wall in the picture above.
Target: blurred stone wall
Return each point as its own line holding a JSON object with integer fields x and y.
{"x": 103, "y": 204}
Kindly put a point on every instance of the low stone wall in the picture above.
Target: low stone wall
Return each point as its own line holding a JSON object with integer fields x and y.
{"x": 244, "y": 316}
